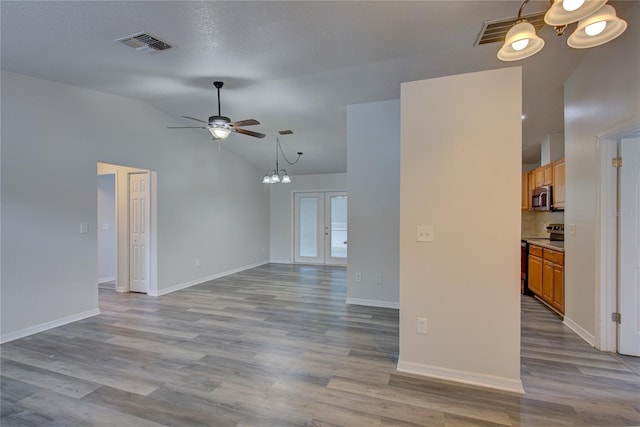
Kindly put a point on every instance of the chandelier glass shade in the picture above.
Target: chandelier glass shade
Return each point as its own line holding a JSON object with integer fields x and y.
{"x": 598, "y": 24}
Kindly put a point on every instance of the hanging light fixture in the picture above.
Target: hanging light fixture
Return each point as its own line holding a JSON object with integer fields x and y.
{"x": 277, "y": 175}
{"x": 598, "y": 24}
{"x": 598, "y": 28}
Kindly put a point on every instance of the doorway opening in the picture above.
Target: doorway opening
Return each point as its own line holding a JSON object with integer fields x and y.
{"x": 320, "y": 228}
{"x": 127, "y": 212}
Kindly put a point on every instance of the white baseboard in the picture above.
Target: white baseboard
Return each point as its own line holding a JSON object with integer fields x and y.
{"x": 482, "y": 380}
{"x": 48, "y": 325}
{"x": 372, "y": 303}
{"x": 580, "y": 331}
{"x": 281, "y": 261}
{"x": 106, "y": 279}
{"x": 201, "y": 280}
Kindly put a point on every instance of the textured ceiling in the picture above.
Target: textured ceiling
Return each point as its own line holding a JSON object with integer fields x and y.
{"x": 290, "y": 65}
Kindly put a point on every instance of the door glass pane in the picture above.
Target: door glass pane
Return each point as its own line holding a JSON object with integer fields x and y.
{"x": 309, "y": 226}
{"x": 338, "y": 227}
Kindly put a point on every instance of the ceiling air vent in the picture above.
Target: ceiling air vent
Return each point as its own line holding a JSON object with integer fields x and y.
{"x": 285, "y": 132}
{"x": 144, "y": 43}
{"x": 496, "y": 31}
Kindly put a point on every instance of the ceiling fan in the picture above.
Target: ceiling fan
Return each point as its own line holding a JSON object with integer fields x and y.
{"x": 220, "y": 126}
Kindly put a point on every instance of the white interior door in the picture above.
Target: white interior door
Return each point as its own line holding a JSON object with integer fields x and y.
{"x": 629, "y": 248}
{"x": 320, "y": 231}
{"x": 139, "y": 232}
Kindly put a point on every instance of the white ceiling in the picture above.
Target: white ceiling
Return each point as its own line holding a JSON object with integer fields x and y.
{"x": 290, "y": 65}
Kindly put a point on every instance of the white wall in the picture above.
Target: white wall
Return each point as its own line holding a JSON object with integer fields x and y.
{"x": 461, "y": 135}
{"x": 281, "y": 210}
{"x": 49, "y": 188}
{"x": 601, "y": 93}
{"x": 373, "y": 181}
{"x": 106, "y": 228}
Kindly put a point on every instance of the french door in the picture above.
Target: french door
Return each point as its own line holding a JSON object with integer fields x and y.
{"x": 320, "y": 233}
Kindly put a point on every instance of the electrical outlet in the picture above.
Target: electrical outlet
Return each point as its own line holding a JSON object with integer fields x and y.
{"x": 358, "y": 277}
{"x": 421, "y": 325}
{"x": 424, "y": 233}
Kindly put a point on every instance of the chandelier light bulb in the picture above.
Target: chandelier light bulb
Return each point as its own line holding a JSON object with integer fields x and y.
{"x": 286, "y": 179}
{"x": 266, "y": 179}
{"x": 571, "y": 5}
{"x": 595, "y": 28}
{"x": 275, "y": 178}
{"x": 520, "y": 44}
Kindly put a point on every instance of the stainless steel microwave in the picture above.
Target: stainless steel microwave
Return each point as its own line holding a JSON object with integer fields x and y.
{"x": 541, "y": 198}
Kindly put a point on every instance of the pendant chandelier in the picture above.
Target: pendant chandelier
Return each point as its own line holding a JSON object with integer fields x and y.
{"x": 597, "y": 25}
{"x": 277, "y": 175}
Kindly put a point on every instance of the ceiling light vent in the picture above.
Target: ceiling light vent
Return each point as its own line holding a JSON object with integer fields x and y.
{"x": 496, "y": 31}
{"x": 144, "y": 43}
{"x": 285, "y": 132}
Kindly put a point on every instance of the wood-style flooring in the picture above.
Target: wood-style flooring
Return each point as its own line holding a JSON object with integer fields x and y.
{"x": 277, "y": 346}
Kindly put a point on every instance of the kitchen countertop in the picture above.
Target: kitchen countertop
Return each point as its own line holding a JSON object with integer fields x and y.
{"x": 545, "y": 243}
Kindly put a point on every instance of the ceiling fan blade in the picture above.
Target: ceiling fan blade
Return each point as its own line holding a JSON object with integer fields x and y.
{"x": 186, "y": 127}
{"x": 197, "y": 120}
{"x": 249, "y": 132}
{"x": 248, "y": 122}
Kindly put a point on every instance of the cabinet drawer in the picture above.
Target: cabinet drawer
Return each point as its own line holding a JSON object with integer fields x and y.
{"x": 554, "y": 257}
{"x": 535, "y": 251}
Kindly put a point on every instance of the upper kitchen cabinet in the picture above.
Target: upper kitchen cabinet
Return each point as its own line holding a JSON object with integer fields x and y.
{"x": 558, "y": 184}
{"x": 525, "y": 191}
{"x": 550, "y": 174}
{"x": 544, "y": 175}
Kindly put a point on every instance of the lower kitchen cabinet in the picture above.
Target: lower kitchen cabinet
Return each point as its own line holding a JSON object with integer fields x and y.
{"x": 534, "y": 271}
{"x": 546, "y": 276}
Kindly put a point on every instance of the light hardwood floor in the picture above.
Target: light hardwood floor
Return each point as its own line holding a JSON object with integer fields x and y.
{"x": 277, "y": 346}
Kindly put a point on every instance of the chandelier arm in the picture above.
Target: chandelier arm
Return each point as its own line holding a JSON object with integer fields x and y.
{"x": 522, "y": 7}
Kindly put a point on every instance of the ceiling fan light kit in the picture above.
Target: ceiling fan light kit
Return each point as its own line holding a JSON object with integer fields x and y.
{"x": 598, "y": 24}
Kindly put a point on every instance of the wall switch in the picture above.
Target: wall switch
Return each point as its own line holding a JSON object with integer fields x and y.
{"x": 358, "y": 277}
{"x": 197, "y": 262}
{"x": 105, "y": 226}
{"x": 84, "y": 228}
{"x": 421, "y": 325}
{"x": 379, "y": 279}
{"x": 424, "y": 233}
{"x": 571, "y": 229}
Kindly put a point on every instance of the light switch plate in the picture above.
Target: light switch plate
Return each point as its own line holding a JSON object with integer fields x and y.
{"x": 424, "y": 233}
{"x": 571, "y": 229}
{"x": 84, "y": 228}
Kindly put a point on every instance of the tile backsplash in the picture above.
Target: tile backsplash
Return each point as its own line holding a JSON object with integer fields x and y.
{"x": 534, "y": 224}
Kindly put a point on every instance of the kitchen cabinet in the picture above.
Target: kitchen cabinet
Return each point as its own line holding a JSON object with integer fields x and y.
{"x": 531, "y": 179}
{"x": 546, "y": 276}
{"x": 551, "y": 174}
{"x": 558, "y": 184}
{"x": 544, "y": 175}
{"x": 553, "y": 279}
{"x": 534, "y": 270}
{"x": 525, "y": 191}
